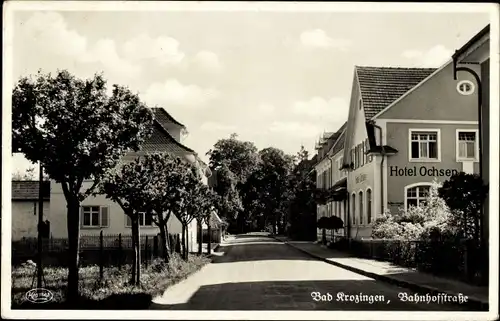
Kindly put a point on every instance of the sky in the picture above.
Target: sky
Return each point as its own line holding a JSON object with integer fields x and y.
{"x": 275, "y": 78}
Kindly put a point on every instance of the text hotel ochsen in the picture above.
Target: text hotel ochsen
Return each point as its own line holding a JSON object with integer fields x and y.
{"x": 421, "y": 171}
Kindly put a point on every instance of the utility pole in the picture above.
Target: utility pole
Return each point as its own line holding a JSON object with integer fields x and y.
{"x": 39, "y": 275}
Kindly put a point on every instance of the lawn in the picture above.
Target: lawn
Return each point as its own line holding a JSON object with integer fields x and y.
{"x": 112, "y": 292}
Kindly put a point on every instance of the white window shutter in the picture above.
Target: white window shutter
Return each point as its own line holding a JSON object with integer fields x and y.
{"x": 128, "y": 222}
{"x": 81, "y": 216}
{"x": 104, "y": 216}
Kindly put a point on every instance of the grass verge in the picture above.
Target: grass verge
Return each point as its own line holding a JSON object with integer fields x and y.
{"x": 112, "y": 292}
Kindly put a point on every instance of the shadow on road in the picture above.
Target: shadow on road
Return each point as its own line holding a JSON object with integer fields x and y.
{"x": 296, "y": 295}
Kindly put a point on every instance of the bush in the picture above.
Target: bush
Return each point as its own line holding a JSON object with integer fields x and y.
{"x": 155, "y": 279}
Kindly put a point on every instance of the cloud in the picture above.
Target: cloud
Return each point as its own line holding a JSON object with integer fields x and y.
{"x": 215, "y": 127}
{"x": 176, "y": 93}
{"x": 296, "y": 129}
{"x": 433, "y": 57}
{"x": 320, "y": 108}
{"x": 163, "y": 49}
{"x": 208, "y": 61}
{"x": 266, "y": 108}
{"x": 104, "y": 52}
{"x": 48, "y": 32}
{"x": 318, "y": 38}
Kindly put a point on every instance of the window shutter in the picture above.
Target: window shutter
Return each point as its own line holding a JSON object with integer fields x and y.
{"x": 81, "y": 216}
{"x": 128, "y": 221}
{"x": 104, "y": 216}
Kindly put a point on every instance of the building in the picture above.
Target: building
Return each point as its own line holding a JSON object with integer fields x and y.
{"x": 473, "y": 59}
{"x": 25, "y": 203}
{"x": 330, "y": 177}
{"x": 404, "y": 132}
{"x": 101, "y": 214}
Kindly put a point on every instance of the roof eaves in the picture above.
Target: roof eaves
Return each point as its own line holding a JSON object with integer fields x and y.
{"x": 411, "y": 90}
{"x": 165, "y": 131}
{"x": 170, "y": 117}
{"x": 469, "y": 43}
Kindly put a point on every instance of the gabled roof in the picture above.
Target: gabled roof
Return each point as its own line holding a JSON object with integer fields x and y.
{"x": 163, "y": 117}
{"x": 339, "y": 144}
{"x": 380, "y": 86}
{"x": 161, "y": 140}
{"x": 28, "y": 190}
{"x": 471, "y": 42}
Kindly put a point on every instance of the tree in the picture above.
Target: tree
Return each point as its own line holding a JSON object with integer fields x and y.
{"x": 171, "y": 174}
{"x": 234, "y": 161}
{"x": 131, "y": 186}
{"x": 302, "y": 206}
{"x": 330, "y": 223}
{"x": 464, "y": 194}
{"x": 190, "y": 199}
{"x": 77, "y": 132}
{"x": 202, "y": 208}
{"x": 270, "y": 181}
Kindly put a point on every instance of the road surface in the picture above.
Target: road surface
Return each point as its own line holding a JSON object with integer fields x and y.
{"x": 256, "y": 272}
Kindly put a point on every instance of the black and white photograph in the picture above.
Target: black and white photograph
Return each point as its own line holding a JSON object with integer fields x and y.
{"x": 250, "y": 160}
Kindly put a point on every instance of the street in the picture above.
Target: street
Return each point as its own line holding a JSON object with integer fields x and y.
{"x": 256, "y": 272}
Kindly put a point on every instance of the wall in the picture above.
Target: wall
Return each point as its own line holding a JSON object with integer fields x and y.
{"x": 485, "y": 79}
{"x": 361, "y": 178}
{"x": 436, "y": 99}
{"x": 25, "y": 218}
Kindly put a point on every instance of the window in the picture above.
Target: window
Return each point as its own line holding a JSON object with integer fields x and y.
{"x": 360, "y": 103}
{"x": 424, "y": 145}
{"x": 465, "y": 87}
{"x": 416, "y": 195}
{"x": 95, "y": 216}
{"x": 353, "y": 159}
{"x": 361, "y": 208}
{"x": 368, "y": 206}
{"x": 467, "y": 144}
{"x": 353, "y": 214}
{"x": 144, "y": 220}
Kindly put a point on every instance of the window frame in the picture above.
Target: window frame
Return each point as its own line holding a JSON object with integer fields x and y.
{"x": 468, "y": 82}
{"x": 476, "y": 145}
{"x": 353, "y": 209}
{"x": 361, "y": 209}
{"x": 436, "y": 131}
{"x": 99, "y": 219}
{"x": 368, "y": 206}
{"x": 143, "y": 215}
{"x": 417, "y": 186}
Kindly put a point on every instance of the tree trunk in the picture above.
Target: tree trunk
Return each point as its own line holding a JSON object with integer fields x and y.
{"x": 187, "y": 242}
{"x": 133, "y": 270}
{"x": 73, "y": 258}
{"x": 209, "y": 232}
{"x": 138, "y": 276}
{"x": 200, "y": 237}
{"x": 162, "y": 224}
{"x": 183, "y": 242}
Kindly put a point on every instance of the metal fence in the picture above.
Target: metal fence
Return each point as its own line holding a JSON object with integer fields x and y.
{"x": 103, "y": 250}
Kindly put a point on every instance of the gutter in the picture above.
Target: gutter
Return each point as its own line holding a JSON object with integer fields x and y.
{"x": 381, "y": 167}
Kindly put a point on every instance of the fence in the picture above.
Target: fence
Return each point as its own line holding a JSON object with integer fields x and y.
{"x": 456, "y": 259}
{"x": 215, "y": 236}
{"x": 103, "y": 250}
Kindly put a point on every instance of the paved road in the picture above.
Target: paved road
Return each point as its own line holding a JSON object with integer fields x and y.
{"x": 255, "y": 272}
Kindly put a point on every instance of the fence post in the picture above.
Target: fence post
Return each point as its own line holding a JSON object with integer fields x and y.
{"x": 146, "y": 256}
{"x": 155, "y": 246}
{"x": 101, "y": 256}
{"x": 120, "y": 253}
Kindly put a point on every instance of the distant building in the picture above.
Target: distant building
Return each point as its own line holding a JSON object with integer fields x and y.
{"x": 25, "y": 206}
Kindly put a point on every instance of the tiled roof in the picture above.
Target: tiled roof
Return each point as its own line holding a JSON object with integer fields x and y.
{"x": 28, "y": 190}
{"x": 163, "y": 117}
{"x": 161, "y": 140}
{"x": 380, "y": 86}
{"x": 340, "y": 143}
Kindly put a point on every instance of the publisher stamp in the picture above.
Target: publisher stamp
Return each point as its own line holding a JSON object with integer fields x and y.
{"x": 39, "y": 295}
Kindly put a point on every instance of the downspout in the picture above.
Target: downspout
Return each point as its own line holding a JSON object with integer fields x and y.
{"x": 456, "y": 69}
{"x": 382, "y": 152}
{"x": 331, "y": 185}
